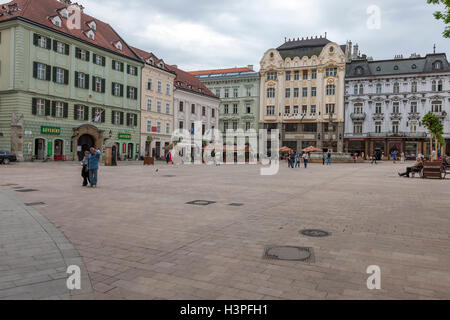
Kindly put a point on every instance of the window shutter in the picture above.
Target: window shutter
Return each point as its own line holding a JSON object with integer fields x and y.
{"x": 112, "y": 88}
{"x": 66, "y": 76}
{"x": 55, "y": 45}
{"x": 86, "y": 113}
{"x": 77, "y": 53}
{"x": 121, "y": 66}
{"x": 121, "y": 90}
{"x": 128, "y": 69}
{"x": 128, "y": 119}
{"x": 86, "y": 81}
{"x": 128, "y": 92}
{"x": 135, "y": 93}
{"x": 114, "y": 64}
{"x": 47, "y": 107}
{"x": 103, "y": 85}
{"x": 49, "y": 44}
{"x": 35, "y": 39}
{"x": 53, "y": 108}
{"x": 92, "y": 114}
{"x": 48, "y": 71}
{"x": 75, "y": 115}
{"x": 103, "y": 61}
{"x": 34, "y": 69}
{"x": 113, "y": 113}
{"x": 135, "y": 120}
{"x": 121, "y": 118}
{"x": 66, "y": 110}
{"x": 103, "y": 116}
{"x": 93, "y": 83}
{"x": 67, "y": 49}
{"x": 54, "y": 74}
{"x": 94, "y": 58}
{"x": 87, "y": 55}
{"x": 33, "y": 106}
{"x": 76, "y": 79}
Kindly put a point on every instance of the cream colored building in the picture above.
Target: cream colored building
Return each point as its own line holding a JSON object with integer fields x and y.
{"x": 302, "y": 93}
{"x": 156, "y": 105}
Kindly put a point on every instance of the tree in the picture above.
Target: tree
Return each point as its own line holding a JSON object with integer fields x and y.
{"x": 435, "y": 128}
{"x": 443, "y": 15}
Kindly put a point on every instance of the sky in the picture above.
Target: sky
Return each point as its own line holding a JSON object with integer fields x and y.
{"x": 211, "y": 34}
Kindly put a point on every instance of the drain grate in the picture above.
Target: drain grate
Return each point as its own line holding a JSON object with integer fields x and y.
{"x": 31, "y": 204}
{"x": 290, "y": 253}
{"x": 316, "y": 233}
{"x": 236, "y": 204}
{"x": 26, "y": 190}
{"x": 200, "y": 202}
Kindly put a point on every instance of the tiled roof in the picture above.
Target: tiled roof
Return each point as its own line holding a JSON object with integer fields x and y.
{"x": 304, "y": 43}
{"x": 220, "y": 71}
{"x": 41, "y": 12}
{"x": 189, "y": 82}
{"x": 144, "y": 55}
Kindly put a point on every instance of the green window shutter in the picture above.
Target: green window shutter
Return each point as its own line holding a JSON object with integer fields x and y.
{"x": 121, "y": 66}
{"x": 67, "y": 49}
{"x": 112, "y": 116}
{"x": 86, "y": 81}
{"x": 103, "y": 116}
{"x": 94, "y": 59}
{"x": 121, "y": 90}
{"x": 93, "y": 83}
{"x": 128, "y": 119}
{"x": 112, "y": 88}
{"x": 48, "y": 72}
{"x": 34, "y": 69}
{"x": 75, "y": 115}
{"x": 121, "y": 118}
{"x": 47, "y": 107}
{"x": 135, "y": 120}
{"x": 128, "y": 92}
{"x": 128, "y": 69}
{"x": 86, "y": 113}
{"x": 33, "y": 106}
{"x": 103, "y": 85}
{"x": 53, "y": 108}
{"x": 55, "y": 45}
{"x": 87, "y": 55}
{"x": 66, "y": 110}
{"x": 49, "y": 44}
{"x": 135, "y": 93}
{"x": 76, "y": 79}
{"x": 92, "y": 114}
{"x": 66, "y": 76}
{"x": 54, "y": 74}
{"x": 114, "y": 64}
{"x": 103, "y": 61}
{"x": 35, "y": 39}
{"x": 77, "y": 53}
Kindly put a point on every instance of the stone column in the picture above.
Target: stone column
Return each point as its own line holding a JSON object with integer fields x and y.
{"x": 17, "y": 136}
{"x": 340, "y": 137}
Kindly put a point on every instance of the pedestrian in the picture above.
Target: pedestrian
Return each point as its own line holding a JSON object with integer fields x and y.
{"x": 292, "y": 159}
{"x": 355, "y": 157}
{"x": 305, "y": 159}
{"x": 297, "y": 160}
{"x": 328, "y": 158}
{"x": 323, "y": 158}
{"x": 85, "y": 169}
{"x": 374, "y": 158}
{"x": 93, "y": 159}
{"x": 433, "y": 155}
{"x": 393, "y": 156}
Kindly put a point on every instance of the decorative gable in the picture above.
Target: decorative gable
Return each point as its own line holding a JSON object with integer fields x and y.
{"x": 118, "y": 45}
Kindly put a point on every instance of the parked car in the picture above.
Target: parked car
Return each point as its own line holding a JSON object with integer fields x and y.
{"x": 7, "y": 157}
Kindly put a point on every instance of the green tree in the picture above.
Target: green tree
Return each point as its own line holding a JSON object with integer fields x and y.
{"x": 435, "y": 128}
{"x": 443, "y": 15}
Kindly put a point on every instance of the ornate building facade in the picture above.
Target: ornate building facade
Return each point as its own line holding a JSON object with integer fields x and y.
{"x": 302, "y": 93}
{"x": 385, "y": 101}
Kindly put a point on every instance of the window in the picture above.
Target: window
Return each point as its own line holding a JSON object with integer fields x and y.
{"x": 81, "y": 80}
{"x": 40, "y": 107}
{"x": 358, "y": 108}
{"x": 158, "y": 127}
{"x": 304, "y": 109}
{"x": 167, "y": 108}
{"x": 235, "y": 125}
{"x": 117, "y": 89}
{"x": 288, "y": 76}
{"x": 81, "y": 112}
{"x": 355, "y": 89}
{"x": 225, "y": 125}
{"x": 313, "y": 91}
{"x": 99, "y": 84}
{"x": 82, "y": 54}
{"x": 296, "y": 92}
{"x": 248, "y": 126}
{"x": 225, "y": 108}
{"x": 41, "y": 41}
{"x": 313, "y": 74}
{"x": 117, "y": 65}
{"x": 439, "y": 87}
{"x": 149, "y": 84}
{"x": 181, "y": 125}
{"x": 101, "y": 112}
{"x": 361, "y": 89}
{"x": 287, "y": 109}
{"x": 131, "y": 120}
{"x": 227, "y": 93}
{"x": 357, "y": 127}
{"x": 218, "y": 92}
{"x": 149, "y": 125}
{"x": 193, "y": 108}
{"x": 288, "y": 93}
{"x": 91, "y": 34}
{"x": 235, "y": 92}
{"x": 249, "y": 92}
{"x": 235, "y": 108}
{"x": 248, "y": 108}
{"x": 270, "y": 110}
{"x": 132, "y": 70}
{"x": 271, "y": 75}
{"x": 181, "y": 106}
{"x": 395, "y": 107}
{"x": 313, "y": 109}
{"x": 296, "y": 75}
{"x": 168, "y": 89}
{"x": 167, "y": 128}
{"x": 329, "y": 108}
{"x": 378, "y": 109}
{"x": 413, "y": 126}
{"x": 304, "y": 92}
{"x": 378, "y": 88}
{"x": 414, "y": 86}
{"x": 158, "y": 106}
{"x": 295, "y": 109}
{"x": 436, "y": 106}
{"x": 413, "y": 107}
{"x": 331, "y": 72}
{"x": 131, "y": 93}
{"x": 395, "y": 127}
{"x": 60, "y": 47}
{"x": 331, "y": 88}
{"x": 378, "y": 127}
{"x": 159, "y": 86}
{"x": 149, "y": 104}
{"x": 213, "y": 113}
{"x": 437, "y": 65}
{"x": 271, "y": 93}
{"x": 41, "y": 71}
{"x": 396, "y": 88}
{"x": 305, "y": 74}
{"x": 59, "y": 109}
{"x": 117, "y": 117}
{"x": 59, "y": 75}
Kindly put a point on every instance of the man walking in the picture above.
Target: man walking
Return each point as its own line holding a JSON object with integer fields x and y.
{"x": 323, "y": 158}
{"x": 93, "y": 159}
{"x": 374, "y": 158}
{"x": 305, "y": 159}
{"x": 329, "y": 158}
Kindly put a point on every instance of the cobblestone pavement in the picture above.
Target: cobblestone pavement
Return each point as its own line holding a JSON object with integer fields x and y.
{"x": 140, "y": 240}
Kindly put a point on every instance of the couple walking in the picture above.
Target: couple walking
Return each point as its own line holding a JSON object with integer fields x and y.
{"x": 295, "y": 158}
{"x": 89, "y": 170}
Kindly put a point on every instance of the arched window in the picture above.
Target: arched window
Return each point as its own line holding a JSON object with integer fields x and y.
{"x": 361, "y": 89}
{"x": 378, "y": 88}
{"x": 414, "y": 86}
{"x": 437, "y": 65}
{"x": 433, "y": 85}
{"x": 396, "y": 88}
{"x": 439, "y": 87}
{"x": 355, "y": 89}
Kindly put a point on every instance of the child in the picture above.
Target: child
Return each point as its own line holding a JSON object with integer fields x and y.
{"x": 84, "y": 168}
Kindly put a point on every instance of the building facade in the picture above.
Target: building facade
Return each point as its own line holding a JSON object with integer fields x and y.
{"x": 386, "y": 100}
{"x": 238, "y": 90}
{"x": 193, "y": 101}
{"x": 156, "y": 105}
{"x": 64, "y": 89}
{"x": 302, "y": 93}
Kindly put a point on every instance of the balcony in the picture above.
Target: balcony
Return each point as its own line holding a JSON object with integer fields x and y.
{"x": 441, "y": 115}
{"x": 391, "y": 134}
{"x": 299, "y": 116}
{"x": 396, "y": 116}
{"x": 358, "y": 116}
{"x": 413, "y": 116}
{"x": 378, "y": 116}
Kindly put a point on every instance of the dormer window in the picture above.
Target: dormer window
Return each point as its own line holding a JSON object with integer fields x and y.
{"x": 161, "y": 65}
{"x": 150, "y": 61}
{"x": 118, "y": 45}
{"x": 92, "y": 25}
{"x": 359, "y": 70}
{"x": 56, "y": 20}
{"x": 64, "y": 13}
{"x": 437, "y": 65}
{"x": 395, "y": 67}
{"x": 90, "y": 34}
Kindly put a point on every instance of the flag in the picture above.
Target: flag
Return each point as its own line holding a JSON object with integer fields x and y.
{"x": 98, "y": 116}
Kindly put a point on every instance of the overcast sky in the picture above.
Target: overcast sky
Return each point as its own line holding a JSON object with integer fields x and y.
{"x": 205, "y": 34}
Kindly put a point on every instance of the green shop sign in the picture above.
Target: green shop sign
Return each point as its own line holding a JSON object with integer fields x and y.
{"x": 51, "y": 130}
{"x": 125, "y": 136}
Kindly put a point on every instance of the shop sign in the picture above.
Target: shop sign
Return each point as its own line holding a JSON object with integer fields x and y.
{"x": 51, "y": 130}
{"x": 125, "y": 136}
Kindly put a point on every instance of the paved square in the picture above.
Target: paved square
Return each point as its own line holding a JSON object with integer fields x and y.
{"x": 140, "y": 240}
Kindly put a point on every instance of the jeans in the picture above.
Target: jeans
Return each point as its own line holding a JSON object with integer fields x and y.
{"x": 328, "y": 161}
{"x": 93, "y": 174}
{"x": 305, "y": 162}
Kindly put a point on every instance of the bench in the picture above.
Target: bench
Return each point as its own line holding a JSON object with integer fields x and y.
{"x": 433, "y": 169}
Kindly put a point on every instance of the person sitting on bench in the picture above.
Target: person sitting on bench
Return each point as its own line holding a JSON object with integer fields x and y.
{"x": 418, "y": 165}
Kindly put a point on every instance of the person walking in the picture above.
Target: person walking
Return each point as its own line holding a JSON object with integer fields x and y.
{"x": 297, "y": 160}
{"x": 323, "y": 158}
{"x": 292, "y": 159}
{"x": 374, "y": 158}
{"x": 328, "y": 158}
{"x": 305, "y": 159}
{"x": 85, "y": 169}
{"x": 93, "y": 159}
{"x": 393, "y": 156}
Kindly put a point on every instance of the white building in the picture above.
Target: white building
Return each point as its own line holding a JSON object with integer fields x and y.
{"x": 385, "y": 102}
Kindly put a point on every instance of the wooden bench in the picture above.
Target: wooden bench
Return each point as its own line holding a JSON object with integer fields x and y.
{"x": 433, "y": 169}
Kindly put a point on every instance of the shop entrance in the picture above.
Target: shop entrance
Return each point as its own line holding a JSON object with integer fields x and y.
{"x": 158, "y": 150}
{"x": 59, "y": 145}
{"x": 86, "y": 141}
{"x": 114, "y": 155}
{"x": 39, "y": 149}
{"x": 130, "y": 151}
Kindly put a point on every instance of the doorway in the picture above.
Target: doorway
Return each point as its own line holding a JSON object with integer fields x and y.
{"x": 39, "y": 149}
{"x": 59, "y": 145}
{"x": 130, "y": 151}
{"x": 85, "y": 142}
{"x": 158, "y": 150}
{"x": 114, "y": 155}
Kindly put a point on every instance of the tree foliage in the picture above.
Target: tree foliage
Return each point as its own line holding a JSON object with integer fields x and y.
{"x": 443, "y": 15}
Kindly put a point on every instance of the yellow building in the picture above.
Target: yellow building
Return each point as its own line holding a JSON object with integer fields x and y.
{"x": 156, "y": 105}
{"x": 302, "y": 93}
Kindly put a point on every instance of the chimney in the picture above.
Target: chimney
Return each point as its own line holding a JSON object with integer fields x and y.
{"x": 250, "y": 66}
{"x": 355, "y": 51}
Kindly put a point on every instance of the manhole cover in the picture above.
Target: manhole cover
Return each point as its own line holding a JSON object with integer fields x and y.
{"x": 26, "y": 190}
{"x": 236, "y": 204}
{"x": 31, "y": 204}
{"x": 201, "y": 202}
{"x": 289, "y": 253}
{"x": 315, "y": 233}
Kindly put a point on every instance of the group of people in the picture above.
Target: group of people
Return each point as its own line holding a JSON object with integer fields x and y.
{"x": 294, "y": 159}
{"x": 89, "y": 167}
